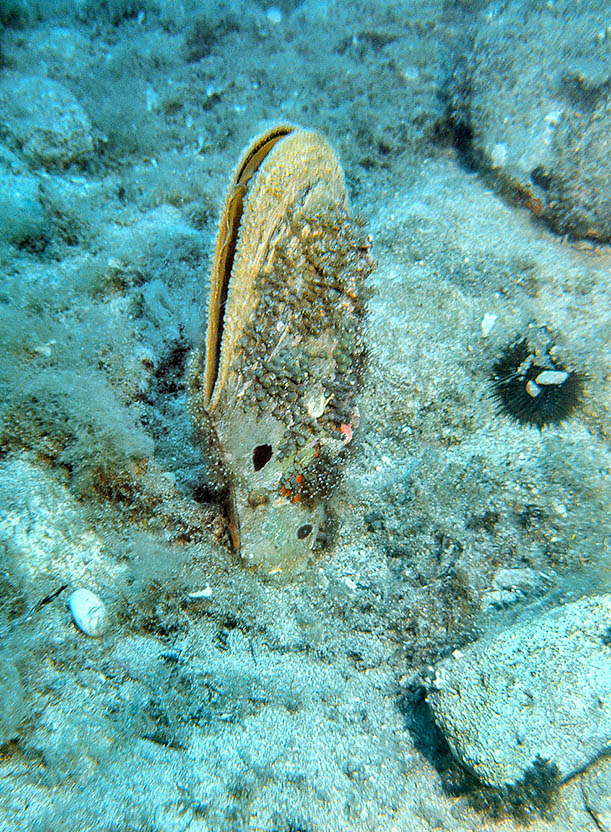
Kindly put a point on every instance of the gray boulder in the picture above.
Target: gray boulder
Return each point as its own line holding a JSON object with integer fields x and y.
{"x": 538, "y": 691}
{"x": 533, "y": 94}
{"x": 44, "y": 121}
{"x": 21, "y": 214}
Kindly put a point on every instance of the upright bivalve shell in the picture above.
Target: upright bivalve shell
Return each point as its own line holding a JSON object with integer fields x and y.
{"x": 285, "y": 351}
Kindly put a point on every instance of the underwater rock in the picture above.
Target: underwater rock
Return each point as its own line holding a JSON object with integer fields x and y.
{"x": 534, "y": 112}
{"x": 596, "y": 786}
{"x": 89, "y": 612}
{"x": 12, "y": 697}
{"x": 22, "y": 217}
{"x": 285, "y": 349}
{"x": 45, "y": 121}
{"x": 510, "y": 586}
{"x": 538, "y": 691}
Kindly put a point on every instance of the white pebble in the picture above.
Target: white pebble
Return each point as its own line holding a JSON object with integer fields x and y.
{"x": 486, "y": 323}
{"x": 206, "y": 592}
{"x": 498, "y": 155}
{"x": 274, "y": 15}
{"x": 88, "y": 612}
{"x": 410, "y": 73}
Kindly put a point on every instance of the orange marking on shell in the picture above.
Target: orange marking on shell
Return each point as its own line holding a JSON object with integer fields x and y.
{"x": 346, "y": 430}
{"x": 535, "y": 205}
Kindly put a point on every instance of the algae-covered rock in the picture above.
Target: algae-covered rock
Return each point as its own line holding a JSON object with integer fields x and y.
{"x": 539, "y": 691}
{"x": 45, "y": 121}
{"x": 532, "y": 98}
{"x": 22, "y": 218}
{"x": 12, "y": 710}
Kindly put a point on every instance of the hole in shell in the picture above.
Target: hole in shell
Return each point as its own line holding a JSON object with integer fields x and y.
{"x": 261, "y": 456}
{"x": 304, "y": 531}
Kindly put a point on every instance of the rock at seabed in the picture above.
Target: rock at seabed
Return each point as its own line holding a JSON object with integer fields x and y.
{"x": 538, "y": 690}
{"x": 45, "y": 121}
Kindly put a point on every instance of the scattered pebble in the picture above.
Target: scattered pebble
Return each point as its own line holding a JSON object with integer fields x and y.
{"x": 486, "y": 324}
{"x": 89, "y": 612}
{"x": 21, "y": 215}
{"x": 274, "y": 15}
{"x": 206, "y": 592}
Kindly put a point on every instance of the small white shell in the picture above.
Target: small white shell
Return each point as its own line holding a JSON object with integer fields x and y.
{"x": 532, "y": 388}
{"x": 549, "y": 377}
{"x": 89, "y": 612}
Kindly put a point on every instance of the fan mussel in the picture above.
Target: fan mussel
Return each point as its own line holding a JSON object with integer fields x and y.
{"x": 285, "y": 352}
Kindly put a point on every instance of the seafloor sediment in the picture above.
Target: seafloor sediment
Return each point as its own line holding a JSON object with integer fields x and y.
{"x": 216, "y": 700}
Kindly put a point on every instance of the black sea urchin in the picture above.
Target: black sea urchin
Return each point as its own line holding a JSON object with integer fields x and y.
{"x": 534, "y": 394}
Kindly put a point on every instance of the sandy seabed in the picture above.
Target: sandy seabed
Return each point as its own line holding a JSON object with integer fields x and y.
{"x": 217, "y": 700}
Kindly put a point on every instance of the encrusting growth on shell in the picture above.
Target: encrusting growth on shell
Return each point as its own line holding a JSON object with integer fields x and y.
{"x": 285, "y": 350}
